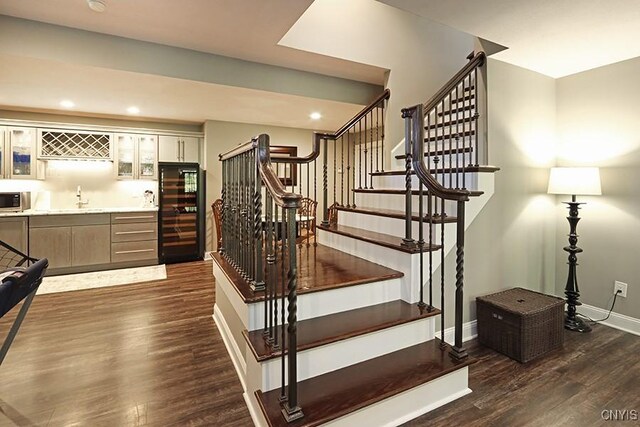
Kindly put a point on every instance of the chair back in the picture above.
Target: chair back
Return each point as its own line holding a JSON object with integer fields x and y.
{"x": 216, "y": 207}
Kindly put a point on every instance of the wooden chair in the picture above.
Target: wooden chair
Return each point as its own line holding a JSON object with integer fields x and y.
{"x": 333, "y": 215}
{"x": 216, "y": 207}
{"x": 307, "y": 227}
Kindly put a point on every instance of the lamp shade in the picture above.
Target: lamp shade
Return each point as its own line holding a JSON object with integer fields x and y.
{"x": 575, "y": 181}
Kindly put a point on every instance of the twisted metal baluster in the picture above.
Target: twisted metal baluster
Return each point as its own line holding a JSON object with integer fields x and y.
{"x": 442, "y": 326}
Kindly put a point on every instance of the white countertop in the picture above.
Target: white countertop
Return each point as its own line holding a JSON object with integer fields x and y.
{"x": 75, "y": 211}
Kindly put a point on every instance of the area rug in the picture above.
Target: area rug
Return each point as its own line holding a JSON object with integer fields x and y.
{"x": 101, "y": 279}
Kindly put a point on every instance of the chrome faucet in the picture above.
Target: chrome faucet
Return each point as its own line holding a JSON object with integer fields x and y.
{"x": 80, "y": 203}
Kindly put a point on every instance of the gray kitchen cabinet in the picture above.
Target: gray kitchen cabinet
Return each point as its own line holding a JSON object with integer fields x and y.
{"x": 90, "y": 245}
{"x": 53, "y": 243}
{"x": 14, "y": 231}
{"x": 182, "y": 149}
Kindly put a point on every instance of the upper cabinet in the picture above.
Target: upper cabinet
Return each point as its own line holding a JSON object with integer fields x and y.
{"x": 136, "y": 156}
{"x": 55, "y": 144}
{"x": 18, "y": 154}
{"x": 182, "y": 149}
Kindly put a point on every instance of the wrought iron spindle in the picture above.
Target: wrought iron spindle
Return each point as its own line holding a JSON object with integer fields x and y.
{"x": 353, "y": 194}
{"x": 457, "y": 350}
{"x": 431, "y": 225}
{"x": 342, "y": 171}
{"x": 476, "y": 114}
{"x": 370, "y": 147}
{"x": 348, "y": 167}
{"x": 457, "y": 136}
{"x": 421, "y": 242}
{"x": 283, "y": 258}
{"x": 408, "y": 121}
{"x": 325, "y": 184}
{"x": 442, "y": 325}
{"x": 268, "y": 307}
{"x": 291, "y": 410}
{"x": 384, "y": 101}
{"x": 378, "y": 139}
{"x": 360, "y": 155}
{"x": 365, "y": 150}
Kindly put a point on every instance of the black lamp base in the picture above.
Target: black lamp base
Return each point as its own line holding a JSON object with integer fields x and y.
{"x": 575, "y": 324}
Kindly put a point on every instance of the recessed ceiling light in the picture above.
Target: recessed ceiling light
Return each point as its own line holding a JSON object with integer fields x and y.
{"x": 97, "y": 5}
{"x": 133, "y": 110}
{"x": 66, "y": 103}
{"x": 315, "y": 116}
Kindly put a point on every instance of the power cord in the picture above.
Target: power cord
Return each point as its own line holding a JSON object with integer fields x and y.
{"x": 615, "y": 296}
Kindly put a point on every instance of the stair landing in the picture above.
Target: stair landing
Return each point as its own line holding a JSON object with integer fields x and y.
{"x": 319, "y": 268}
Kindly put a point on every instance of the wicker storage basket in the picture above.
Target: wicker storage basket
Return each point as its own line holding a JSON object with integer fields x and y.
{"x": 520, "y": 323}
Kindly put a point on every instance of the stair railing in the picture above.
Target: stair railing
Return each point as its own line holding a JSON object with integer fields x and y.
{"x": 261, "y": 247}
{"x": 451, "y": 117}
{"x": 357, "y": 150}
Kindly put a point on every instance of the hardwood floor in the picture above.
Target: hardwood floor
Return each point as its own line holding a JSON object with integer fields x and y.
{"x": 568, "y": 387}
{"x": 149, "y": 354}
{"x": 133, "y": 355}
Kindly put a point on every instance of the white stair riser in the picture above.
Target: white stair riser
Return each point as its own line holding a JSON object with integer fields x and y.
{"x": 392, "y": 226}
{"x": 340, "y": 354}
{"x": 470, "y": 181}
{"x": 396, "y": 202}
{"x": 315, "y": 304}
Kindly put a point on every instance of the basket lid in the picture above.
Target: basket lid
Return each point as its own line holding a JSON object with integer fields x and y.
{"x": 522, "y": 301}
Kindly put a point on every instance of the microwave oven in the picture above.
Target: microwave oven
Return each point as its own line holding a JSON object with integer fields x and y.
{"x": 15, "y": 202}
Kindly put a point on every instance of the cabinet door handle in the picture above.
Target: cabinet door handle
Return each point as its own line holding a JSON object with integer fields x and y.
{"x": 133, "y": 217}
{"x": 134, "y": 232}
{"x": 135, "y": 251}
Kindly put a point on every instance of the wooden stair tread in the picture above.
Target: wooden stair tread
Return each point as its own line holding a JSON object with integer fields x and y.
{"x": 319, "y": 268}
{"x": 389, "y": 213}
{"x": 386, "y": 240}
{"x": 469, "y": 169}
{"x": 444, "y": 152}
{"x": 338, "y": 393}
{"x": 339, "y": 326}
{"x": 473, "y": 193}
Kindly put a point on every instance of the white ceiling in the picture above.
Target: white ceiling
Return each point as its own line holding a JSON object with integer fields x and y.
{"x": 244, "y": 29}
{"x": 31, "y": 83}
{"x": 552, "y": 37}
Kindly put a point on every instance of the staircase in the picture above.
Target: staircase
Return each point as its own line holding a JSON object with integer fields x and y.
{"x": 357, "y": 342}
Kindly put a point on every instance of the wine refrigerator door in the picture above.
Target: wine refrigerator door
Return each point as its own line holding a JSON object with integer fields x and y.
{"x": 179, "y": 189}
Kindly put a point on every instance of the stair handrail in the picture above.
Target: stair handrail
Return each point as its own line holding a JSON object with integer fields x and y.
{"x": 334, "y": 136}
{"x": 281, "y": 196}
{"x": 475, "y": 61}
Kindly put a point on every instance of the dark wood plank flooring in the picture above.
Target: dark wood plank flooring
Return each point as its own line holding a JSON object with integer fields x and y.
{"x": 319, "y": 268}
{"x": 569, "y": 387}
{"x": 133, "y": 355}
{"x": 149, "y": 355}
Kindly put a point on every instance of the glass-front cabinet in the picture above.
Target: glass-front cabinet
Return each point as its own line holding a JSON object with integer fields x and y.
{"x": 136, "y": 156}
{"x": 18, "y": 153}
{"x": 147, "y": 157}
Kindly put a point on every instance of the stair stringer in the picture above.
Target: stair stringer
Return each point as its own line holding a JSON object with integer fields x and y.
{"x": 409, "y": 264}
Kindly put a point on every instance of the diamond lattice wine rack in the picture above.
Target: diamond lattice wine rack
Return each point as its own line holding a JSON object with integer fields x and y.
{"x": 56, "y": 144}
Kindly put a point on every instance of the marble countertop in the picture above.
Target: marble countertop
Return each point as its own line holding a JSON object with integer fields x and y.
{"x": 75, "y": 211}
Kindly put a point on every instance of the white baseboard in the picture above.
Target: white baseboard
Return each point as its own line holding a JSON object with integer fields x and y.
{"x": 469, "y": 332}
{"x": 232, "y": 348}
{"x": 617, "y": 321}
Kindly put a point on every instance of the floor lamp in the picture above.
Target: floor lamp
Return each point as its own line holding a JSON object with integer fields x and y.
{"x": 574, "y": 181}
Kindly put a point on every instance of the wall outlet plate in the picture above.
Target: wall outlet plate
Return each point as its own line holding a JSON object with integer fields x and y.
{"x": 620, "y": 286}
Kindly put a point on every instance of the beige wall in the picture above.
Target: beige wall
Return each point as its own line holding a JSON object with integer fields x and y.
{"x": 512, "y": 241}
{"x": 223, "y": 136}
{"x": 598, "y": 122}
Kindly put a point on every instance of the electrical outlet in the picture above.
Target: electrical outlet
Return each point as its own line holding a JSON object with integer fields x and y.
{"x": 622, "y": 287}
